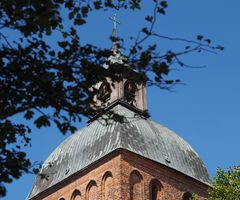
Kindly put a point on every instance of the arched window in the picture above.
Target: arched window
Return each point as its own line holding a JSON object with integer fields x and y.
{"x": 130, "y": 90}
{"x": 76, "y": 195}
{"x": 91, "y": 190}
{"x": 155, "y": 189}
{"x": 187, "y": 196}
{"x": 136, "y": 187}
{"x": 104, "y": 92}
{"x": 107, "y": 183}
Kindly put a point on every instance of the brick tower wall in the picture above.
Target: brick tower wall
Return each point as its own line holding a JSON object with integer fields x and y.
{"x": 123, "y": 175}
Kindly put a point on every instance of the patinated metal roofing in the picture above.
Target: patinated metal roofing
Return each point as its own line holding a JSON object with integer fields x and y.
{"x": 141, "y": 136}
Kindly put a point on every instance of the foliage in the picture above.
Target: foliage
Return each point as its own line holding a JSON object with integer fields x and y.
{"x": 47, "y": 85}
{"x": 195, "y": 197}
{"x": 226, "y": 185}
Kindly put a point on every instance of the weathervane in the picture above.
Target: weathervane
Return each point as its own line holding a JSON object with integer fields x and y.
{"x": 115, "y": 23}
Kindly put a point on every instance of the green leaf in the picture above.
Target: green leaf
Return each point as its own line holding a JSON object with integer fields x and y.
{"x": 149, "y": 18}
{"x": 63, "y": 44}
{"x": 200, "y": 37}
{"x": 79, "y": 20}
{"x": 97, "y": 4}
{"x": 161, "y": 11}
{"x": 208, "y": 41}
{"x": 52, "y": 53}
{"x": 64, "y": 34}
{"x": 84, "y": 11}
{"x": 29, "y": 115}
{"x": 42, "y": 121}
{"x": 146, "y": 31}
{"x": 220, "y": 47}
{"x": 164, "y": 4}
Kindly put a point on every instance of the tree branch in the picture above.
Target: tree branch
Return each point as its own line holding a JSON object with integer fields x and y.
{"x": 6, "y": 40}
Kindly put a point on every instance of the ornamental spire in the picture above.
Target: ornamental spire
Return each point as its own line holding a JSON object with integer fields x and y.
{"x": 114, "y": 33}
{"x": 115, "y": 23}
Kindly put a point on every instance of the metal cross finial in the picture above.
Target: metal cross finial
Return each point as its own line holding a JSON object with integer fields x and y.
{"x": 115, "y": 23}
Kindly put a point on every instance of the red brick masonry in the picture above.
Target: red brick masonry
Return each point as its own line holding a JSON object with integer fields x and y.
{"x": 123, "y": 175}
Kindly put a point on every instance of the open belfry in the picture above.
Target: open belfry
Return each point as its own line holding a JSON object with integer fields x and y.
{"x": 133, "y": 158}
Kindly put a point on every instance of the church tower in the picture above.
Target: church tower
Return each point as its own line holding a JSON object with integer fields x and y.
{"x": 132, "y": 159}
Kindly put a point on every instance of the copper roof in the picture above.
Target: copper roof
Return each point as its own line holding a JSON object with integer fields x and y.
{"x": 139, "y": 135}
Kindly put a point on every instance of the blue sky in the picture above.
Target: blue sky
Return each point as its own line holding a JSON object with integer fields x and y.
{"x": 205, "y": 111}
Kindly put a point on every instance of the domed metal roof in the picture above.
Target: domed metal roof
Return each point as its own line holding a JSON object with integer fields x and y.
{"x": 139, "y": 135}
